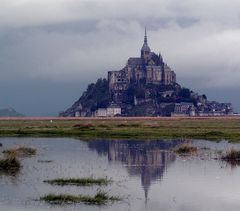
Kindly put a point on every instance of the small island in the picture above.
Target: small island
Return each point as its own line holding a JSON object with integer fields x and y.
{"x": 146, "y": 86}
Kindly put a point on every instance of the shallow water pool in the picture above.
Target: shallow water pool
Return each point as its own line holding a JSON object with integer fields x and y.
{"x": 147, "y": 175}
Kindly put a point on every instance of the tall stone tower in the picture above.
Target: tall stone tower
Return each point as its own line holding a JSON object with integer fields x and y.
{"x": 145, "y": 51}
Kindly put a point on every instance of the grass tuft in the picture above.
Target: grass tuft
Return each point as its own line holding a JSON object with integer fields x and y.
{"x": 83, "y": 126}
{"x": 44, "y": 161}
{"x": 101, "y": 198}
{"x": 10, "y": 165}
{"x": 186, "y": 149}
{"x": 79, "y": 181}
{"x": 21, "y": 151}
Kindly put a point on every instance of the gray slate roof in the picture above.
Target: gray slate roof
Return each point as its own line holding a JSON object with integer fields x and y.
{"x": 134, "y": 61}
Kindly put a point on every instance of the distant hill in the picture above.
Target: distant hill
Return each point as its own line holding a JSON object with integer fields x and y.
{"x": 9, "y": 112}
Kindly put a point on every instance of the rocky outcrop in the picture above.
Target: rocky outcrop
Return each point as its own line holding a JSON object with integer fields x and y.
{"x": 96, "y": 96}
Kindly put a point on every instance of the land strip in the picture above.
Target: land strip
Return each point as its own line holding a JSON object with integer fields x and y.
{"x": 88, "y": 181}
{"x": 212, "y": 128}
{"x": 101, "y": 198}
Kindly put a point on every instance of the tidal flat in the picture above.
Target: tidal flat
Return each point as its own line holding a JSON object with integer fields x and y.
{"x": 145, "y": 175}
{"x": 211, "y": 128}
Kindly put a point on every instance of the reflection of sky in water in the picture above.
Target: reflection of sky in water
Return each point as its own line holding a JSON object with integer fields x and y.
{"x": 148, "y": 174}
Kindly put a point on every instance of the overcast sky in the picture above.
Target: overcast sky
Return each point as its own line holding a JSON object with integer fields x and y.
{"x": 51, "y": 49}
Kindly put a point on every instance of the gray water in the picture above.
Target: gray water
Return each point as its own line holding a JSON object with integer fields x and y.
{"x": 148, "y": 175}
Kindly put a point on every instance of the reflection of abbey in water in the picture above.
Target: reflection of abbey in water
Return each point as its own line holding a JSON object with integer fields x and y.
{"x": 147, "y": 159}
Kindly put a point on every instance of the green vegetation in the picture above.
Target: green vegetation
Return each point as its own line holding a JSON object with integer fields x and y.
{"x": 186, "y": 149}
{"x": 79, "y": 181}
{"x": 96, "y": 95}
{"x": 232, "y": 157}
{"x": 101, "y": 198}
{"x": 21, "y": 151}
{"x": 10, "y": 165}
{"x": 44, "y": 161}
{"x": 126, "y": 128}
{"x": 185, "y": 93}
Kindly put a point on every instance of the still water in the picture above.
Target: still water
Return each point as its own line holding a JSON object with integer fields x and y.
{"x": 148, "y": 175}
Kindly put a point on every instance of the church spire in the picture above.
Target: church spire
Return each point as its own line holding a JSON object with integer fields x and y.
{"x": 145, "y": 37}
{"x": 145, "y": 51}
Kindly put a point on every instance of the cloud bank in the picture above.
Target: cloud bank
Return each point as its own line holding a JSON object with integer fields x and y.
{"x": 77, "y": 41}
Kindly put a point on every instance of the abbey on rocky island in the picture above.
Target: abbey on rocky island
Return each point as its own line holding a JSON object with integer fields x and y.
{"x": 149, "y": 68}
{"x": 146, "y": 86}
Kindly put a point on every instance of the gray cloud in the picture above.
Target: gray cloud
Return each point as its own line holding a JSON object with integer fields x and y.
{"x": 77, "y": 41}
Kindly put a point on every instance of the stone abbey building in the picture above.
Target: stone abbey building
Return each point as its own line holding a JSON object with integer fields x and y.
{"x": 148, "y": 68}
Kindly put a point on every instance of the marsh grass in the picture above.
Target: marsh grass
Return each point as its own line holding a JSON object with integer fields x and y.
{"x": 232, "y": 157}
{"x": 186, "y": 149}
{"x": 21, "y": 151}
{"x": 214, "y": 133}
{"x": 128, "y": 125}
{"x": 10, "y": 164}
{"x": 103, "y": 126}
{"x": 45, "y": 161}
{"x": 84, "y": 126}
{"x": 79, "y": 181}
{"x": 126, "y": 128}
{"x": 100, "y": 198}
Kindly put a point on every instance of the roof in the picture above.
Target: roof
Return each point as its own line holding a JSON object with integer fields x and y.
{"x": 134, "y": 61}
